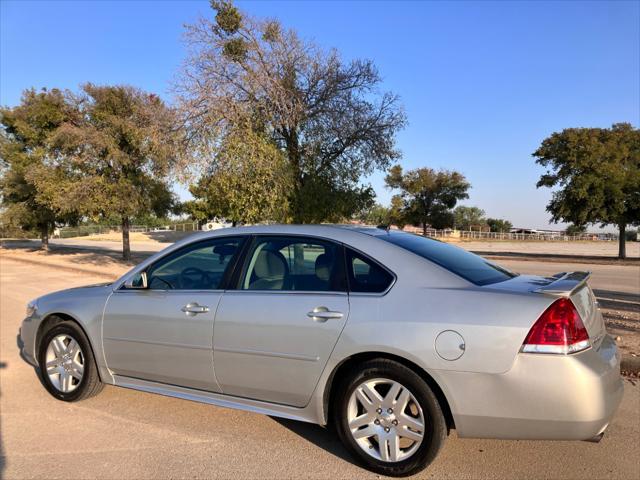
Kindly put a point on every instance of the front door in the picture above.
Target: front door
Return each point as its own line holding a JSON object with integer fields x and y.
{"x": 275, "y": 332}
{"x": 164, "y": 333}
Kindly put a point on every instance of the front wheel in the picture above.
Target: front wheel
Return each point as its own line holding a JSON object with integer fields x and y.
{"x": 67, "y": 367}
{"x": 389, "y": 418}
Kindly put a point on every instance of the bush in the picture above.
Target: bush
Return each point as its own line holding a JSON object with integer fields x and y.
{"x": 631, "y": 235}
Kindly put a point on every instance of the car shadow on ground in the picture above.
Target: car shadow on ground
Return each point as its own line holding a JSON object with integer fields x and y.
{"x": 169, "y": 236}
{"x": 323, "y": 437}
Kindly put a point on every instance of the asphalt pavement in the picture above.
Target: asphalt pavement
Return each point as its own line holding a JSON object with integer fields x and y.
{"x": 128, "y": 434}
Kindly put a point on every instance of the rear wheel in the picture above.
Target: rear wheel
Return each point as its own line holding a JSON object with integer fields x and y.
{"x": 67, "y": 366}
{"x": 389, "y": 418}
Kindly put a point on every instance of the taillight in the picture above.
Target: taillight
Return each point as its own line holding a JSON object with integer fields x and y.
{"x": 558, "y": 330}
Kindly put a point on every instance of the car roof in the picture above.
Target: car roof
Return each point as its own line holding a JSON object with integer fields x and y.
{"x": 277, "y": 228}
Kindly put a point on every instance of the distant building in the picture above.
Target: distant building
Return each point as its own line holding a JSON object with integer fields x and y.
{"x": 537, "y": 231}
{"x": 563, "y": 233}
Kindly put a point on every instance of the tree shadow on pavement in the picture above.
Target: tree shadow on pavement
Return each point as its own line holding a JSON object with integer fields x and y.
{"x": 88, "y": 255}
{"x": 169, "y": 236}
{"x": 323, "y": 437}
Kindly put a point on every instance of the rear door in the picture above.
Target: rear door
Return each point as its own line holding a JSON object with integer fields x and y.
{"x": 275, "y": 332}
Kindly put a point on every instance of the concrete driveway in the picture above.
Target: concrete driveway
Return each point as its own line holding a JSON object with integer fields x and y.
{"x": 127, "y": 434}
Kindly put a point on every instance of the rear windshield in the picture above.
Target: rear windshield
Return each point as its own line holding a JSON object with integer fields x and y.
{"x": 465, "y": 264}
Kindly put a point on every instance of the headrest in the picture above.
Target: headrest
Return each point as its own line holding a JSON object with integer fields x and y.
{"x": 270, "y": 265}
{"x": 324, "y": 262}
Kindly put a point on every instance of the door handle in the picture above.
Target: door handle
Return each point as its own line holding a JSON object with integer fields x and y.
{"x": 322, "y": 314}
{"x": 192, "y": 309}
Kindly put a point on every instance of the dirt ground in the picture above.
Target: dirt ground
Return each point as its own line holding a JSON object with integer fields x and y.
{"x": 625, "y": 327}
{"x": 160, "y": 236}
{"x": 107, "y": 264}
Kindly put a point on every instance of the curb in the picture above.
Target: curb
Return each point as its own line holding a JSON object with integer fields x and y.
{"x": 86, "y": 271}
{"x": 551, "y": 258}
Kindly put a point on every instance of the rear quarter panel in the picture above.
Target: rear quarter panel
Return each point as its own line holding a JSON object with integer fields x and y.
{"x": 408, "y": 319}
{"x": 428, "y": 299}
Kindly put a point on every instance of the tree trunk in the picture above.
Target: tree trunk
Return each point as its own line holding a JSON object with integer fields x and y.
{"x": 44, "y": 237}
{"x": 622, "y": 241}
{"x": 126, "y": 248}
{"x": 424, "y": 229}
{"x": 293, "y": 154}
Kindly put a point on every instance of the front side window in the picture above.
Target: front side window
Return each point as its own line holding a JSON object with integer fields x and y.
{"x": 201, "y": 266}
{"x": 294, "y": 264}
{"x": 365, "y": 275}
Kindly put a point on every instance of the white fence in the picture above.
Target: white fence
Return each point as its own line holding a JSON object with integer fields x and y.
{"x": 476, "y": 235}
{"x": 67, "y": 232}
{"x": 533, "y": 236}
{"x": 83, "y": 231}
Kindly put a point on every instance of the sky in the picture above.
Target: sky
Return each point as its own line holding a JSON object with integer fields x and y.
{"x": 482, "y": 83}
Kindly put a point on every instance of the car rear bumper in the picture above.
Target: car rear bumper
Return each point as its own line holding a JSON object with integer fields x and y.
{"x": 543, "y": 397}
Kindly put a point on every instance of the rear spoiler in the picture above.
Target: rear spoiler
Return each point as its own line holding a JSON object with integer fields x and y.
{"x": 565, "y": 283}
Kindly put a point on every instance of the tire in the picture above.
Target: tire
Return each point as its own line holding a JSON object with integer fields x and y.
{"x": 59, "y": 367}
{"x": 422, "y": 409}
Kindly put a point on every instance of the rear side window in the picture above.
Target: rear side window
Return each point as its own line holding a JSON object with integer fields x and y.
{"x": 465, "y": 264}
{"x": 365, "y": 275}
{"x": 294, "y": 264}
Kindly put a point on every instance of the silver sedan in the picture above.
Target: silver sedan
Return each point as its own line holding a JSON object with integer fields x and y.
{"x": 393, "y": 338}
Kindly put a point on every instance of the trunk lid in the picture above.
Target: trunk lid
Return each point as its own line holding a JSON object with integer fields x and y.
{"x": 571, "y": 285}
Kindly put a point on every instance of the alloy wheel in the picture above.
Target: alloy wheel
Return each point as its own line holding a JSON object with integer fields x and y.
{"x": 64, "y": 363}
{"x": 385, "y": 420}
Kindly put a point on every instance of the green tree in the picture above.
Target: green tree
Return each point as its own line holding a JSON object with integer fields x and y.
{"x": 376, "y": 215}
{"x": 323, "y": 113}
{"x": 397, "y": 215}
{"x": 442, "y": 218}
{"x": 499, "y": 225}
{"x": 467, "y": 218}
{"x": 25, "y": 145}
{"x": 247, "y": 182}
{"x": 596, "y": 174}
{"x": 575, "y": 229}
{"x": 117, "y": 157}
{"x": 428, "y": 195}
{"x": 632, "y": 235}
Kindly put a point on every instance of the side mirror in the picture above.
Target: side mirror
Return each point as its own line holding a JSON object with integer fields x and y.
{"x": 137, "y": 281}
